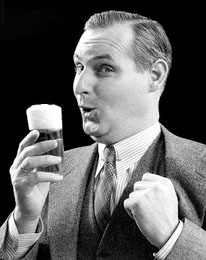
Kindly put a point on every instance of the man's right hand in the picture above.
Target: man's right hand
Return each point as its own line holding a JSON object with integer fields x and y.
{"x": 31, "y": 186}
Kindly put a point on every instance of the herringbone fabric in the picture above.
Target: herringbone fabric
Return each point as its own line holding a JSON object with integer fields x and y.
{"x": 104, "y": 192}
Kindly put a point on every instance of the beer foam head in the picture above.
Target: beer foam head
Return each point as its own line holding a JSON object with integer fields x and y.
{"x": 44, "y": 116}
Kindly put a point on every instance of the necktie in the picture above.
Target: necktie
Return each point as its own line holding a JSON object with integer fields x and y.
{"x": 104, "y": 192}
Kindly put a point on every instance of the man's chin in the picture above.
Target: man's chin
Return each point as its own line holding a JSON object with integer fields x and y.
{"x": 92, "y": 130}
{"x": 94, "y": 133}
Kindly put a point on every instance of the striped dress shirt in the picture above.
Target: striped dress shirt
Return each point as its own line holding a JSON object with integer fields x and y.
{"x": 128, "y": 154}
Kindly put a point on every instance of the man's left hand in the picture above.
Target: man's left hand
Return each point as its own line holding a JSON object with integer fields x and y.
{"x": 154, "y": 206}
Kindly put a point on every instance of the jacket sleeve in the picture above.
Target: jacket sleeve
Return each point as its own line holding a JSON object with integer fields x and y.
{"x": 3, "y": 232}
{"x": 31, "y": 255}
{"x": 191, "y": 243}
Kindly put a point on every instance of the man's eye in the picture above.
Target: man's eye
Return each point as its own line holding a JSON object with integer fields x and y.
{"x": 78, "y": 68}
{"x": 105, "y": 69}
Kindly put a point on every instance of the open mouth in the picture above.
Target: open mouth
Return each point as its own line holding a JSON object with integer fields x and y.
{"x": 87, "y": 110}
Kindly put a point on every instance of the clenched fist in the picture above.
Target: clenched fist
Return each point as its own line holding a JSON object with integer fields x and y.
{"x": 154, "y": 206}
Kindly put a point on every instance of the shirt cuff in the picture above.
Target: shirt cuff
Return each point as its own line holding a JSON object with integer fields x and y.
{"x": 166, "y": 249}
{"x": 17, "y": 244}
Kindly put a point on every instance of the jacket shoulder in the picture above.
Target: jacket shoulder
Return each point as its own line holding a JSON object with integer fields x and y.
{"x": 187, "y": 153}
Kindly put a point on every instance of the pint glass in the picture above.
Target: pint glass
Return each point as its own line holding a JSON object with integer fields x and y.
{"x": 47, "y": 119}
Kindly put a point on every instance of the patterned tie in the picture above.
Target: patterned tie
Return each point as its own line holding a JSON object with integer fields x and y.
{"x": 104, "y": 192}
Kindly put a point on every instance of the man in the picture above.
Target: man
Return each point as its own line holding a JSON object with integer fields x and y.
{"x": 155, "y": 180}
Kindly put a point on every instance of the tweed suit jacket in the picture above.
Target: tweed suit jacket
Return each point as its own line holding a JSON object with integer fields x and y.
{"x": 184, "y": 164}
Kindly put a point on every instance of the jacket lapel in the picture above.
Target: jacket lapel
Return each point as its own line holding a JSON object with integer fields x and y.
{"x": 65, "y": 201}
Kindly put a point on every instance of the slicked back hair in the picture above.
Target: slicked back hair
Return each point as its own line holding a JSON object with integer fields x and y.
{"x": 150, "y": 40}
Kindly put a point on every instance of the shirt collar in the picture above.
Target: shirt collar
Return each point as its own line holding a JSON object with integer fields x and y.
{"x": 131, "y": 149}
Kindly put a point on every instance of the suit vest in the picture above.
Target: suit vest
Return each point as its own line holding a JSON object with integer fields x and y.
{"x": 121, "y": 239}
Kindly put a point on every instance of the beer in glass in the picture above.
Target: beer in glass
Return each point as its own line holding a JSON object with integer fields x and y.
{"x": 47, "y": 119}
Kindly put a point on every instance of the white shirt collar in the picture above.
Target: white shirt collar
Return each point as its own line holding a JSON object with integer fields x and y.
{"x": 130, "y": 150}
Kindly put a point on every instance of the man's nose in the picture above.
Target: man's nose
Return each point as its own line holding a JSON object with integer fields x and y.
{"x": 83, "y": 83}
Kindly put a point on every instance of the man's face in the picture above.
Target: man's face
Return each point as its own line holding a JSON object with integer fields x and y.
{"x": 112, "y": 95}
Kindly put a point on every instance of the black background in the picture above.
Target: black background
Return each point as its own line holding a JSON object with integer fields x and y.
{"x": 37, "y": 43}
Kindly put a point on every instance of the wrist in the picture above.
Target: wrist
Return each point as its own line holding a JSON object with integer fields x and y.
{"x": 166, "y": 249}
{"x": 25, "y": 224}
{"x": 165, "y": 236}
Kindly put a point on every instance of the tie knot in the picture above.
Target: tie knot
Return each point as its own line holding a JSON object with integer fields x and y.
{"x": 109, "y": 154}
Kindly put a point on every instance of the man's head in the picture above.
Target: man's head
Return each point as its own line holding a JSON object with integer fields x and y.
{"x": 150, "y": 41}
{"x": 122, "y": 62}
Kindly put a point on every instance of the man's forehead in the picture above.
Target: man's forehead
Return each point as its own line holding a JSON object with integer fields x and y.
{"x": 114, "y": 38}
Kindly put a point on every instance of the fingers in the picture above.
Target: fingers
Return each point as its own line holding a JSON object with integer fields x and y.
{"x": 150, "y": 180}
{"x": 128, "y": 207}
{"x": 29, "y": 180}
{"x": 28, "y": 140}
{"x": 152, "y": 177}
{"x": 37, "y": 177}
{"x": 34, "y": 150}
{"x": 27, "y": 174}
{"x": 39, "y": 161}
{"x": 142, "y": 185}
{"x": 150, "y": 184}
{"x": 133, "y": 200}
{"x": 30, "y": 157}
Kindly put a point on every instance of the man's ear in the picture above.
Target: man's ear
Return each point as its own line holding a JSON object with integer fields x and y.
{"x": 158, "y": 74}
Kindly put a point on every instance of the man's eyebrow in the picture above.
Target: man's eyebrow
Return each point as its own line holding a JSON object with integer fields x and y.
{"x": 95, "y": 57}
{"x": 103, "y": 56}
